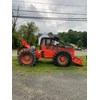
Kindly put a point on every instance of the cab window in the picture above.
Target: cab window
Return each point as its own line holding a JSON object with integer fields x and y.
{"x": 48, "y": 42}
{"x": 43, "y": 42}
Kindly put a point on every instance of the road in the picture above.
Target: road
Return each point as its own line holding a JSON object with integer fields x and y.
{"x": 57, "y": 85}
{"x": 80, "y": 53}
{"x": 77, "y": 53}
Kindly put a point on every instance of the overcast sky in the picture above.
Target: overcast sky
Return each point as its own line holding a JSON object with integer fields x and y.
{"x": 73, "y": 6}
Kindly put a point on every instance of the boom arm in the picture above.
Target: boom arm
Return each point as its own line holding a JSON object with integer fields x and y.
{"x": 24, "y": 43}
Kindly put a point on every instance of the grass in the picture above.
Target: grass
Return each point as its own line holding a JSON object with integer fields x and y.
{"x": 46, "y": 65}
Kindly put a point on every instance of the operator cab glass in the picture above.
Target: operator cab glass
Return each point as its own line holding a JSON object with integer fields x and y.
{"x": 47, "y": 41}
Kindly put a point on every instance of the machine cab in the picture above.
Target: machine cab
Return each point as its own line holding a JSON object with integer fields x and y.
{"x": 47, "y": 45}
{"x": 50, "y": 46}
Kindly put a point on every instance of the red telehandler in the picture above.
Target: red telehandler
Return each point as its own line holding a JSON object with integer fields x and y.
{"x": 61, "y": 53}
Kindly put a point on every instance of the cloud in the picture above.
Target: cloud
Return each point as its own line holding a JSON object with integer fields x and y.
{"x": 55, "y": 25}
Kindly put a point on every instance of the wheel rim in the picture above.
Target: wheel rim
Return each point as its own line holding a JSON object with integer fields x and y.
{"x": 26, "y": 58}
{"x": 62, "y": 59}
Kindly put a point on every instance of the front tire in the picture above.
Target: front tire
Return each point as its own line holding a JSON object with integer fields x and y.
{"x": 62, "y": 58}
{"x": 26, "y": 57}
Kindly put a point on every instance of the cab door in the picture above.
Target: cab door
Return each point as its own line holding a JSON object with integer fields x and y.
{"x": 46, "y": 46}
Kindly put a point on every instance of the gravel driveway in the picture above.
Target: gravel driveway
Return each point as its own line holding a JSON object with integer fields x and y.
{"x": 57, "y": 85}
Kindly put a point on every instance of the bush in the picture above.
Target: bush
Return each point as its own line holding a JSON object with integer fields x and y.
{"x": 15, "y": 40}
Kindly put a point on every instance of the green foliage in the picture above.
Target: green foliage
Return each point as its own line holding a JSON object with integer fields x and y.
{"x": 27, "y": 31}
{"x": 63, "y": 36}
{"x": 73, "y": 37}
{"x": 79, "y": 43}
{"x": 83, "y": 38}
{"x": 50, "y": 34}
{"x": 16, "y": 40}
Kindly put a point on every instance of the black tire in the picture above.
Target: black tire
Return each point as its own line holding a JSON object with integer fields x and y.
{"x": 37, "y": 59}
{"x": 66, "y": 55}
{"x": 20, "y": 50}
{"x": 22, "y": 60}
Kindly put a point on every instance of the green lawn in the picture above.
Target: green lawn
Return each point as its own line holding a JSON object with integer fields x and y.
{"x": 46, "y": 65}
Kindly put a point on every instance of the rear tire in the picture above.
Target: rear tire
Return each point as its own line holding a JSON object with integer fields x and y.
{"x": 26, "y": 57}
{"x": 62, "y": 58}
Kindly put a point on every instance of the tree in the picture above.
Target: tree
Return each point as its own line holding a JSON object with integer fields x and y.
{"x": 63, "y": 36}
{"x": 16, "y": 40}
{"x": 74, "y": 37}
{"x": 27, "y": 31}
{"x": 50, "y": 34}
{"x": 83, "y": 38}
{"x": 79, "y": 43}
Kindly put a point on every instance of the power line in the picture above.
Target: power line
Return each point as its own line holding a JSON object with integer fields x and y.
{"x": 50, "y": 4}
{"x": 52, "y": 18}
{"x": 49, "y": 12}
{"x": 42, "y": 10}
